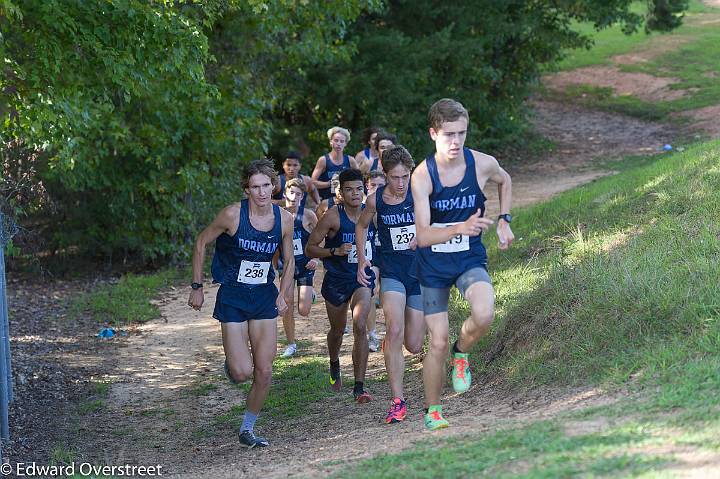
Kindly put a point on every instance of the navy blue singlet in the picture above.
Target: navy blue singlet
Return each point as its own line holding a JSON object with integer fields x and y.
{"x": 300, "y": 239}
{"x": 341, "y": 266}
{"x": 440, "y": 265}
{"x": 330, "y": 169}
{"x": 375, "y": 160}
{"x": 396, "y": 226}
{"x": 242, "y": 260}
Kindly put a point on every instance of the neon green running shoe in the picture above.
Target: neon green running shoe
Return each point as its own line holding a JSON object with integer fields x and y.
{"x": 434, "y": 419}
{"x": 461, "y": 377}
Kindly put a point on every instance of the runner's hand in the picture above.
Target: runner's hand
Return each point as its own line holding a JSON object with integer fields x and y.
{"x": 344, "y": 250}
{"x": 505, "y": 235}
{"x": 413, "y": 243}
{"x": 362, "y": 277}
{"x": 474, "y": 225}
{"x": 197, "y": 297}
{"x": 281, "y": 304}
{"x": 311, "y": 265}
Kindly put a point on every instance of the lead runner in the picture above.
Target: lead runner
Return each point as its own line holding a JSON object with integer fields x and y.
{"x": 246, "y": 236}
{"x": 449, "y": 207}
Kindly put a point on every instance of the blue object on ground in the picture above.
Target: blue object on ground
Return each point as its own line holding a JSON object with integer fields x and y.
{"x": 667, "y": 147}
{"x": 106, "y": 333}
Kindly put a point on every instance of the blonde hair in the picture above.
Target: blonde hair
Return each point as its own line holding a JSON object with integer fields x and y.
{"x": 297, "y": 183}
{"x": 338, "y": 129}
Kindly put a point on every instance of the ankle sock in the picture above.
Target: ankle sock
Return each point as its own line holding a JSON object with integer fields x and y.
{"x": 248, "y": 421}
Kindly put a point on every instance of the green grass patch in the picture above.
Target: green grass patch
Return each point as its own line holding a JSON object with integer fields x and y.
{"x": 90, "y": 406}
{"x": 199, "y": 390}
{"x": 297, "y": 385}
{"x": 128, "y": 300}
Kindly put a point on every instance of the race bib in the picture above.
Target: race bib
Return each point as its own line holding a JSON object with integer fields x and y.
{"x": 401, "y": 237}
{"x": 253, "y": 272}
{"x": 332, "y": 188}
{"x": 453, "y": 245}
{"x": 377, "y": 240}
{"x": 353, "y": 258}
{"x": 297, "y": 247}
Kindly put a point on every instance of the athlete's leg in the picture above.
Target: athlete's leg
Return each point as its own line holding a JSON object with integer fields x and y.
{"x": 237, "y": 354}
{"x": 481, "y": 296}
{"x": 288, "y": 318}
{"x": 304, "y": 300}
{"x": 360, "y": 305}
{"x": 434, "y": 364}
{"x": 415, "y": 329}
{"x": 373, "y": 341}
{"x": 394, "y": 308}
{"x": 263, "y": 340}
{"x": 337, "y": 315}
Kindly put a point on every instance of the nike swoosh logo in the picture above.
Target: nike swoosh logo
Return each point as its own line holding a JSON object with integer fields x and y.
{"x": 463, "y": 189}
{"x": 407, "y": 207}
{"x": 271, "y": 236}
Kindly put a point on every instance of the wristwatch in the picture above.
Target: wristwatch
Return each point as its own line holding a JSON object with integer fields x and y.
{"x": 196, "y": 285}
{"x": 506, "y": 217}
{"x": 332, "y": 251}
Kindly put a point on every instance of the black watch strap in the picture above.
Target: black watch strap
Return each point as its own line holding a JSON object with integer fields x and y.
{"x": 505, "y": 217}
{"x": 196, "y": 285}
{"x": 332, "y": 251}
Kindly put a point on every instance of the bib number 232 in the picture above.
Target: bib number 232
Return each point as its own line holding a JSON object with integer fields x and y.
{"x": 453, "y": 245}
{"x": 401, "y": 237}
{"x": 253, "y": 273}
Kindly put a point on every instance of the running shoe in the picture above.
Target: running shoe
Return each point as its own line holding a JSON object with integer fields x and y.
{"x": 434, "y": 419}
{"x": 373, "y": 342}
{"x": 250, "y": 440}
{"x": 461, "y": 377}
{"x": 362, "y": 397}
{"x": 397, "y": 411}
{"x": 335, "y": 379}
{"x": 290, "y": 351}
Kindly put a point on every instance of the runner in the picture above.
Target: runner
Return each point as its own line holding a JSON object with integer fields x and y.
{"x": 336, "y": 199}
{"x": 383, "y": 141}
{"x": 305, "y": 222}
{"x": 374, "y": 180}
{"x": 331, "y": 162}
{"x": 246, "y": 236}
{"x": 367, "y": 159}
{"x": 392, "y": 208}
{"x": 340, "y": 287}
{"x": 291, "y": 168}
{"x": 449, "y": 206}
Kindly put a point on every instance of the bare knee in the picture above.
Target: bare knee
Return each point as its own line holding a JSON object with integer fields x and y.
{"x": 414, "y": 348}
{"x": 240, "y": 373}
{"x": 304, "y": 309}
{"x": 439, "y": 343}
{"x": 360, "y": 327}
{"x": 263, "y": 376}
{"x": 483, "y": 315}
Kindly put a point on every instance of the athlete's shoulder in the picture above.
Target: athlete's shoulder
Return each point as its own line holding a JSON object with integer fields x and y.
{"x": 483, "y": 160}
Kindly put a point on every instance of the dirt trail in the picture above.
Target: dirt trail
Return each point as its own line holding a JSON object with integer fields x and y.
{"x": 161, "y": 414}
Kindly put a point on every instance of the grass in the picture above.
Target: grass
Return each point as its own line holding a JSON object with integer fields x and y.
{"x": 296, "y": 385}
{"x": 693, "y": 62}
{"x": 128, "y": 300}
{"x": 614, "y": 284}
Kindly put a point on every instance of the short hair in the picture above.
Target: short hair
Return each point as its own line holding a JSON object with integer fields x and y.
{"x": 374, "y": 174}
{"x": 259, "y": 167}
{"x": 293, "y": 155}
{"x": 397, "y": 155}
{"x": 368, "y": 132}
{"x": 297, "y": 183}
{"x": 350, "y": 174}
{"x": 338, "y": 129}
{"x": 384, "y": 135}
{"x": 446, "y": 110}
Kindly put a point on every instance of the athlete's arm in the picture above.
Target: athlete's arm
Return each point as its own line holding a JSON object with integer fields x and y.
{"x": 275, "y": 191}
{"x": 322, "y": 208}
{"x": 504, "y": 184}
{"x": 362, "y": 162}
{"x": 328, "y": 224}
{"x": 227, "y": 221}
{"x": 320, "y": 166}
{"x": 288, "y": 277}
{"x": 427, "y": 235}
{"x": 309, "y": 223}
{"x": 361, "y": 233}
{"x": 312, "y": 190}
{"x": 354, "y": 164}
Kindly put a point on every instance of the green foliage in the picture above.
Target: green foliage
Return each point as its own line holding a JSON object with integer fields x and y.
{"x": 139, "y": 115}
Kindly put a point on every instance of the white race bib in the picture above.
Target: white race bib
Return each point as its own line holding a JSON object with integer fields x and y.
{"x": 253, "y": 272}
{"x": 353, "y": 258}
{"x": 454, "y": 244}
{"x": 332, "y": 188}
{"x": 297, "y": 247}
{"x": 401, "y": 237}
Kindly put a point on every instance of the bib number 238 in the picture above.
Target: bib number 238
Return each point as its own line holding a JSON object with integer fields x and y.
{"x": 253, "y": 273}
{"x": 453, "y": 245}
